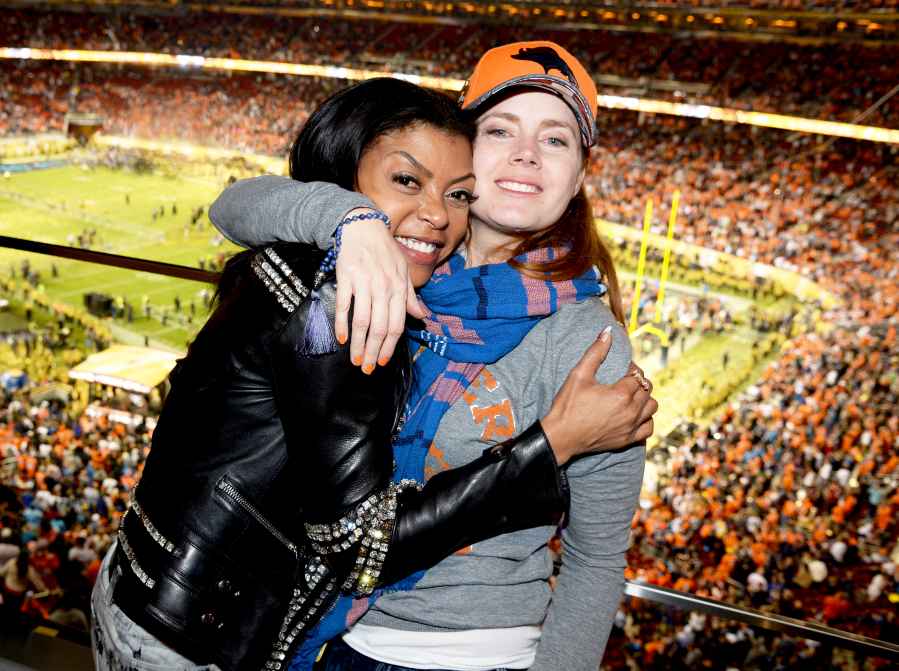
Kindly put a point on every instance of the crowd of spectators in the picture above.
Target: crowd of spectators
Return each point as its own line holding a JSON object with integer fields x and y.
{"x": 254, "y": 113}
{"x": 828, "y": 211}
{"x": 832, "y": 81}
{"x": 793, "y": 5}
{"x": 66, "y": 485}
{"x": 56, "y": 461}
{"x": 786, "y": 501}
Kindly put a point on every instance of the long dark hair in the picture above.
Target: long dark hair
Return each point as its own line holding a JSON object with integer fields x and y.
{"x": 335, "y": 137}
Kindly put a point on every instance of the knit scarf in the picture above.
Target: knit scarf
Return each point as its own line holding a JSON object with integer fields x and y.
{"x": 476, "y": 317}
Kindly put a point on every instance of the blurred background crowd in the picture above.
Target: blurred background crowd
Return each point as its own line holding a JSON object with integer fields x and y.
{"x": 782, "y": 497}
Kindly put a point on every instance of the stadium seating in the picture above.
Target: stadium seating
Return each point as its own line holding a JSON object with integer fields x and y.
{"x": 785, "y": 499}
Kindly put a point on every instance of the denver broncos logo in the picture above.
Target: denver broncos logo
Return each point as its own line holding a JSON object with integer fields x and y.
{"x": 548, "y": 59}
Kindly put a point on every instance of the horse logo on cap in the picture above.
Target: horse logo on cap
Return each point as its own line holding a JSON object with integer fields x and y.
{"x": 547, "y": 58}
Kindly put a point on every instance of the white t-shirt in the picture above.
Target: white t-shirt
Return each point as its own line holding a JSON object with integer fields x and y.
{"x": 468, "y": 650}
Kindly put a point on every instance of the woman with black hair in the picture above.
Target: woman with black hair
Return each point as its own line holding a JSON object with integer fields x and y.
{"x": 271, "y": 484}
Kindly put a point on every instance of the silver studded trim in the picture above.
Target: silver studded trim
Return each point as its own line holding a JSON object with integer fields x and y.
{"x": 132, "y": 560}
{"x": 286, "y": 271}
{"x": 373, "y": 549}
{"x": 372, "y": 523}
{"x": 279, "y": 279}
{"x": 294, "y": 623}
{"x": 155, "y": 534}
{"x": 342, "y": 534}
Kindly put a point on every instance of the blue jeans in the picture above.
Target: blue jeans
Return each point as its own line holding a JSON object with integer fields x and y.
{"x": 341, "y": 657}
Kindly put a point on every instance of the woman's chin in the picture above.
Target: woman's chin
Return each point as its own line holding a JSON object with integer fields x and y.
{"x": 420, "y": 275}
{"x": 513, "y": 220}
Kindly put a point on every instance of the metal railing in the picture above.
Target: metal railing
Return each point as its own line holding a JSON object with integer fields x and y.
{"x": 757, "y": 618}
{"x": 105, "y": 259}
{"x": 659, "y": 595}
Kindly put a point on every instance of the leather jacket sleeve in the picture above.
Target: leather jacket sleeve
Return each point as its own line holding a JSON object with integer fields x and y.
{"x": 512, "y": 486}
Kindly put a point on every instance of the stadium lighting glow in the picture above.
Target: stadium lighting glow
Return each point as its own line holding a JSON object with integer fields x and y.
{"x": 750, "y": 118}
{"x": 712, "y": 113}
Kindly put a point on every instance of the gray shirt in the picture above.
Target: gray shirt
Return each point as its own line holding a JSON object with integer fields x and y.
{"x": 501, "y": 582}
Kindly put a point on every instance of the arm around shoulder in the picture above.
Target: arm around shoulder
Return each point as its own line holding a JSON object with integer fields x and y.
{"x": 261, "y": 210}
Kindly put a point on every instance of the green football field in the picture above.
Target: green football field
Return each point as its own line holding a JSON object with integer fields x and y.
{"x": 57, "y": 205}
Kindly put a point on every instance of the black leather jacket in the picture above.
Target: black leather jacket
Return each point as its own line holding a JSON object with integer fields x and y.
{"x": 256, "y": 441}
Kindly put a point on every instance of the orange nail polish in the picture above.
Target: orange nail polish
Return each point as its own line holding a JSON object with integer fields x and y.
{"x": 383, "y": 361}
{"x": 357, "y": 360}
{"x": 367, "y": 369}
{"x": 341, "y": 338}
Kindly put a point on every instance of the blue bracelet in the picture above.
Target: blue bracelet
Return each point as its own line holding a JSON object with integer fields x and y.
{"x": 329, "y": 263}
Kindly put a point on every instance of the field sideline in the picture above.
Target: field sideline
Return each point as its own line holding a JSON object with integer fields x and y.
{"x": 58, "y": 204}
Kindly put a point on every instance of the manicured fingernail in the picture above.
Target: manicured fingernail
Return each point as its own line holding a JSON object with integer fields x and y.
{"x": 357, "y": 360}
{"x": 605, "y": 334}
{"x": 341, "y": 338}
{"x": 368, "y": 368}
{"x": 384, "y": 360}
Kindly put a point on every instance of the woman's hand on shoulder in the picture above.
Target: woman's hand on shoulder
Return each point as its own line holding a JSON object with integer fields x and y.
{"x": 588, "y": 417}
{"x": 373, "y": 276}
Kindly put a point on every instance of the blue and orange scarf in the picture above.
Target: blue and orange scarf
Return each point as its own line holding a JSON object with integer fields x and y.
{"x": 477, "y": 316}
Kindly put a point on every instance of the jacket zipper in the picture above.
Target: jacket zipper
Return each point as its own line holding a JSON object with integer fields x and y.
{"x": 225, "y": 486}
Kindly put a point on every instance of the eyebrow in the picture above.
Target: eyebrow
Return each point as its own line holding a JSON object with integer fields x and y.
{"x": 508, "y": 116}
{"x": 547, "y": 123}
{"x": 463, "y": 178}
{"x": 409, "y": 157}
{"x": 554, "y": 123}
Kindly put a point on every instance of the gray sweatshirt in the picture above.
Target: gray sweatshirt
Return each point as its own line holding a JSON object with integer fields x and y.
{"x": 501, "y": 582}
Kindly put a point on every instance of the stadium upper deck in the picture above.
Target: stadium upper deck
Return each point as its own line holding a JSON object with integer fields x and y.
{"x": 798, "y": 475}
{"x": 803, "y": 21}
{"x": 831, "y": 81}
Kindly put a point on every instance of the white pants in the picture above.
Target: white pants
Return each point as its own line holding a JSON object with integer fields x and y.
{"x": 119, "y": 643}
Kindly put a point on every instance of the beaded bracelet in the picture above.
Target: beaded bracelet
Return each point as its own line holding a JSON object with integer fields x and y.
{"x": 330, "y": 261}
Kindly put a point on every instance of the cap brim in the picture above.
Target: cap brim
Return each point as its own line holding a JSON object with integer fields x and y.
{"x": 560, "y": 87}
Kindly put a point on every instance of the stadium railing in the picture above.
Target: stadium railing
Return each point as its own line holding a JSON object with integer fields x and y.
{"x": 829, "y": 636}
{"x": 106, "y": 259}
{"x": 41, "y": 647}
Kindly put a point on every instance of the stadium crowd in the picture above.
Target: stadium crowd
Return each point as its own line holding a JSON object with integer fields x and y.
{"x": 859, "y": 5}
{"x": 65, "y": 488}
{"x": 250, "y": 113}
{"x": 832, "y": 81}
{"x": 786, "y": 501}
{"x": 55, "y": 461}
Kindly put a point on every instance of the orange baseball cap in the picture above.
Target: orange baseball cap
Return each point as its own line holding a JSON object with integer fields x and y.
{"x": 539, "y": 65}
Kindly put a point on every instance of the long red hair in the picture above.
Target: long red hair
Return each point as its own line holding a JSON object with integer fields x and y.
{"x": 575, "y": 230}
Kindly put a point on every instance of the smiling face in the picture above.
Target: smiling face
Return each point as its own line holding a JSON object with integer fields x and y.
{"x": 422, "y": 178}
{"x": 529, "y": 164}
